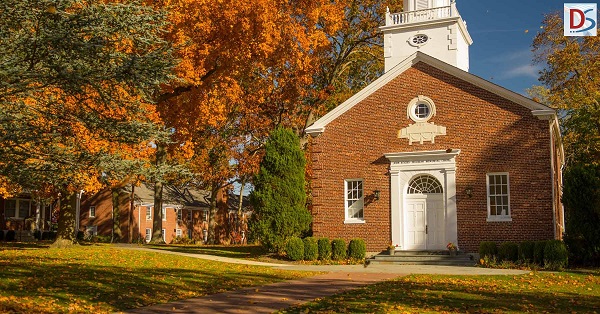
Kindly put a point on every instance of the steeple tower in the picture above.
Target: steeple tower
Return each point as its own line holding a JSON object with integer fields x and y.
{"x": 433, "y": 27}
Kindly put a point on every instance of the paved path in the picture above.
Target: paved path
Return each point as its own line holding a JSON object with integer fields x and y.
{"x": 273, "y": 297}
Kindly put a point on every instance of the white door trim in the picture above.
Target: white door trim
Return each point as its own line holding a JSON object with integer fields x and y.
{"x": 440, "y": 164}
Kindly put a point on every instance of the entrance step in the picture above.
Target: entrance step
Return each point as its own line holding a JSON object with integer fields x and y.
{"x": 24, "y": 236}
{"x": 423, "y": 258}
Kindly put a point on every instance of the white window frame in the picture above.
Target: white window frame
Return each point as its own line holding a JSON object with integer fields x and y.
{"x": 348, "y": 219}
{"x": 206, "y": 214}
{"x": 163, "y": 233}
{"x": 164, "y": 213}
{"x": 17, "y": 208}
{"x": 148, "y": 235}
{"x": 178, "y": 233}
{"x": 492, "y": 218}
{"x": 92, "y": 212}
{"x": 149, "y": 209}
{"x": 179, "y": 214}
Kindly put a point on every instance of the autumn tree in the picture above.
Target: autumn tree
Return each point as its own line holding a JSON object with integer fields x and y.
{"x": 245, "y": 68}
{"x": 279, "y": 199}
{"x": 76, "y": 79}
{"x": 572, "y": 76}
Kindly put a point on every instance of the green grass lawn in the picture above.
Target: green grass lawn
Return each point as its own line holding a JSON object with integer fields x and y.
{"x": 104, "y": 278}
{"x": 534, "y": 293}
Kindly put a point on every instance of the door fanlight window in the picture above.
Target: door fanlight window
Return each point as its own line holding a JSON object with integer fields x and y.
{"x": 424, "y": 184}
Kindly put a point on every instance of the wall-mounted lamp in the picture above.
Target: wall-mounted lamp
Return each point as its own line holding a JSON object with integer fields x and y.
{"x": 376, "y": 194}
{"x": 469, "y": 192}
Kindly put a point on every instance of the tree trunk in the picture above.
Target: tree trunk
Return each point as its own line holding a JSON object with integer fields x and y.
{"x": 130, "y": 218}
{"x": 212, "y": 214}
{"x": 66, "y": 234}
{"x": 116, "y": 234}
{"x": 161, "y": 158}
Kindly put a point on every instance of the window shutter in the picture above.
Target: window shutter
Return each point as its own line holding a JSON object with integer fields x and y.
{"x": 422, "y": 4}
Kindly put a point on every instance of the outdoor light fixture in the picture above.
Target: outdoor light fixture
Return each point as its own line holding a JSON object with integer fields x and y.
{"x": 376, "y": 194}
{"x": 469, "y": 192}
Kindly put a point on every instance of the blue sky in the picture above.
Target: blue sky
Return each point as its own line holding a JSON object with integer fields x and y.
{"x": 502, "y": 33}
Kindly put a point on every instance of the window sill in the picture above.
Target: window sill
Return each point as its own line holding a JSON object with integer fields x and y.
{"x": 499, "y": 219}
{"x": 354, "y": 221}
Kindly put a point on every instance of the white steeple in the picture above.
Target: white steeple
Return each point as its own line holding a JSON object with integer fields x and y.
{"x": 433, "y": 27}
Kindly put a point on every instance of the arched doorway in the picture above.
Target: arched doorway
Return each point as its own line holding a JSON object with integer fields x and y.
{"x": 424, "y": 220}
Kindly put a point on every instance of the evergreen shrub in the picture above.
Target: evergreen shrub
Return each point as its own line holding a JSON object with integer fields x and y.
{"x": 538, "y": 252}
{"x": 338, "y": 249}
{"x": 488, "y": 249}
{"x": 508, "y": 251}
{"x": 295, "y": 249}
{"x": 556, "y": 256}
{"x": 324, "y": 249}
{"x": 357, "y": 249}
{"x": 526, "y": 249}
{"x": 311, "y": 249}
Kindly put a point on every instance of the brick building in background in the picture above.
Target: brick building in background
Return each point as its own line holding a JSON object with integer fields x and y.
{"x": 185, "y": 215}
{"x": 430, "y": 154}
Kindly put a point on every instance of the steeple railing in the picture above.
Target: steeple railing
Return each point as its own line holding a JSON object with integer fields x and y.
{"x": 421, "y": 15}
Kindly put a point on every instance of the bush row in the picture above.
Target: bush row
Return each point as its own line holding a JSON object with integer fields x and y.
{"x": 550, "y": 254}
{"x": 10, "y": 235}
{"x": 312, "y": 249}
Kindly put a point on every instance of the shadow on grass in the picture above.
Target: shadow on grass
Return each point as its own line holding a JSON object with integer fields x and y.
{"x": 460, "y": 297}
{"x": 245, "y": 251}
{"x": 115, "y": 280}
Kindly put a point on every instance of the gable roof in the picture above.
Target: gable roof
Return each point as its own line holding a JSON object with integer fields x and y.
{"x": 537, "y": 109}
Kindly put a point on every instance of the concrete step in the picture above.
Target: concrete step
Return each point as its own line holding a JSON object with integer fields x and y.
{"x": 423, "y": 258}
{"x": 24, "y": 236}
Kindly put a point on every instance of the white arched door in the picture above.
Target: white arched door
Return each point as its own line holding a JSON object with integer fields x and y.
{"x": 424, "y": 214}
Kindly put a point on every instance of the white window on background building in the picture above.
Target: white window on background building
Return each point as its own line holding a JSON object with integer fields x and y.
{"x": 92, "y": 212}
{"x": 354, "y": 199}
{"x": 149, "y": 210}
{"x": 178, "y": 233}
{"x": 164, "y": 213}
{"x": 498, "y": 196}
{"x": 163, "y": 234}
{"x": 148, "y": 234}
{"x": 179, "y": 214}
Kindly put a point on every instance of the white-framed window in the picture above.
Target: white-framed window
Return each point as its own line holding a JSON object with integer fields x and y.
{"x": 178, "y": 233}
{"x": 92, "y": 212}
{"x": 163, "y": 234}
{"x": 149, "y": 210}
{"x": 148, "y": 234}
{"x": 17, "y": 208}
{"x": 164, "y": 213}
{"x": 354, "y": 201}
{"x": 179, "y": 214}
{"x": 206, "y": 215}
{"x": 420, "y": 109}
{"x": 498, "y": 196}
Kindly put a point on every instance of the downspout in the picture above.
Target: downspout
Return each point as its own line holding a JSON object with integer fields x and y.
{"x": 139, "y": 221}
{"x": 552, "y": 178}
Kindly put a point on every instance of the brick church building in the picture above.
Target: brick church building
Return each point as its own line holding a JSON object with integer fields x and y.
{"x": 430, "y": 154}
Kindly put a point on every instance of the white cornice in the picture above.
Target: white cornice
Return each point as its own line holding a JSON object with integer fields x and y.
{"x": 319, "y": 126}
{"x": 421, "y": 156}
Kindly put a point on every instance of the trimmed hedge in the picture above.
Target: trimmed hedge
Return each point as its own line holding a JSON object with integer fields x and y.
{"x": 526, "y": 251}
{"x": 488, "y": 248}
{"x": 295, "y": 249}
{"x": 538, "y": 252}
{"x": 508, "y": 251}
{"x": 357, "y": 249}
{"x": 324, "y": 246}
{"x": 556, "y": 256}
{"x": 338, "y": 249}
{"x": 311, "y": 249}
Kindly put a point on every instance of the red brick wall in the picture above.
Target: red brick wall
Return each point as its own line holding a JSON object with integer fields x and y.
{"x": 493, "y": 134}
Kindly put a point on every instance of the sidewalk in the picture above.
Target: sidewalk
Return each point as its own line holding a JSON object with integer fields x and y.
{"x": 270, "y": 298}
{"x": 273, "y": 297}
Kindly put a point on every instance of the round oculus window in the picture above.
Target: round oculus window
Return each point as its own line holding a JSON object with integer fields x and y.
{"x": 420, "y": 109}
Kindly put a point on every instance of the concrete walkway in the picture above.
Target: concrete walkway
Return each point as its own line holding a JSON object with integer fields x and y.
{"x": 277, "y": 296}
